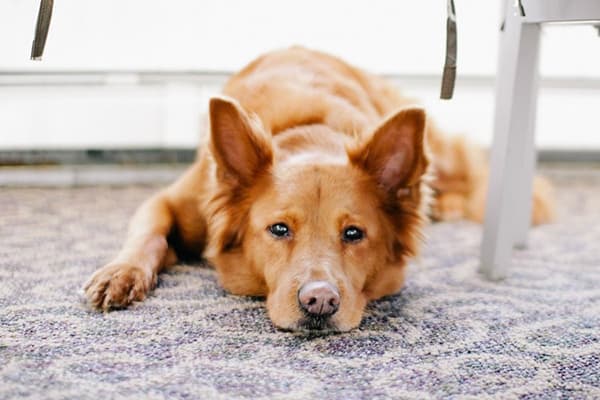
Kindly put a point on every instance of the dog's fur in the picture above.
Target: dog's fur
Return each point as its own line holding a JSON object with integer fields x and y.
{"x": 304, "y": 139}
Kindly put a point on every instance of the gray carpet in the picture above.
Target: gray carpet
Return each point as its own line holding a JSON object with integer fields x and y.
{"x": 448, "y": 334}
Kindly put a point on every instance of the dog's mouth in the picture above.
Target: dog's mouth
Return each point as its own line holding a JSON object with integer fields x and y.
{"x": 316, "y": 323}
{"x": 313, "y": 325}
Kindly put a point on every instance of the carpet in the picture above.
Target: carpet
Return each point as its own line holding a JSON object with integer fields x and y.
{"x": 447, "y": 334}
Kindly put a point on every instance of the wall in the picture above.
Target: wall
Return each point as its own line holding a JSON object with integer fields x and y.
{"x": 138, "y": 73}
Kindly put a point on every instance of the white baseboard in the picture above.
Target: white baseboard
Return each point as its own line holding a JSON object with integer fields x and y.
{"x": 166, "y": 110}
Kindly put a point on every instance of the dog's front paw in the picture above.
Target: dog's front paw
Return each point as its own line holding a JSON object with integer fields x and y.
{"x": 117, "y": 285}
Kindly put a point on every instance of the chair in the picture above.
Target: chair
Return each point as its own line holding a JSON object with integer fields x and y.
{"x": 512, "y": 156}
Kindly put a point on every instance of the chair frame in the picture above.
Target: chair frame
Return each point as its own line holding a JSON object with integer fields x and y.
{"x": 513, "y": 155}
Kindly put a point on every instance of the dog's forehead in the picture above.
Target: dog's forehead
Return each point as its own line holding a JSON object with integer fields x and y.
{"x": 319, "y": 183}
{"x": 314, "y": 159}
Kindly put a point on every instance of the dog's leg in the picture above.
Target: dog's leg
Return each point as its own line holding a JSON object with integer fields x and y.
{"x": 542, "y": 210}
{"x": 133, "y": 273}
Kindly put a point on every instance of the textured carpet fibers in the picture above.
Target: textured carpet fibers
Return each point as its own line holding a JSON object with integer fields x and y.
{"x": 447, "y": 334}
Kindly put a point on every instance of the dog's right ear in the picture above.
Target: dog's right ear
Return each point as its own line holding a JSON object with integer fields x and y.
{"x": 240, "y": 145}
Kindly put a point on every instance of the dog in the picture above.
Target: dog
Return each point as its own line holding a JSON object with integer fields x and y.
{"x": 311, "y": 189}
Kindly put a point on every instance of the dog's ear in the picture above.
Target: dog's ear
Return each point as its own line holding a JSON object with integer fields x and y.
{"x": 241, "y": 147}
{"x": 395, "y": 153}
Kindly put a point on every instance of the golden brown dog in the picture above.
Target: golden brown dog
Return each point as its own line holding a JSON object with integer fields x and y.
{"x": 312, "y": 190}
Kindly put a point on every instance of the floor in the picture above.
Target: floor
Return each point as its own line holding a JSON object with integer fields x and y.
{"x": 448, "y": 334}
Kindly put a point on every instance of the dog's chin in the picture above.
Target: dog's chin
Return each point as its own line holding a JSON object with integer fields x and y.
{"x": 314, "y": 326}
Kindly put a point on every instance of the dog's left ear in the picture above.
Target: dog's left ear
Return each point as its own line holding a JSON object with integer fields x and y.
{"x": 395, "y": 154}
{"x": 241, "y": 147}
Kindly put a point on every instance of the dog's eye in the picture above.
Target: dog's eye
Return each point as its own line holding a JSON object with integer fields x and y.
{"x": 352, "y": 234}
{"x": 279, "y": 230}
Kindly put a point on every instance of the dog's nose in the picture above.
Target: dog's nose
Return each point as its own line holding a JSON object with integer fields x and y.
{"x": 319, "y": 298}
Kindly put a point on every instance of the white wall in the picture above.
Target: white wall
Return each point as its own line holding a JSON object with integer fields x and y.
{"x": 103, "y": 51}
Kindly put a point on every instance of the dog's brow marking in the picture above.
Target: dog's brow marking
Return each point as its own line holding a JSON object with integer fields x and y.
{"x": 314, "y": 157}
{"x": 318, "y": 193}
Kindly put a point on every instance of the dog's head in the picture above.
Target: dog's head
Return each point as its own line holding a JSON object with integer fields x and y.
{"x": 318, "y": 222}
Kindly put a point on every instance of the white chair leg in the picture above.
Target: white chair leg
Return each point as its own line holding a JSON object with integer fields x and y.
{"x": 524, "y": 127}
{"x": 525, "y": 161}
{"x": 508, "y": 206}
